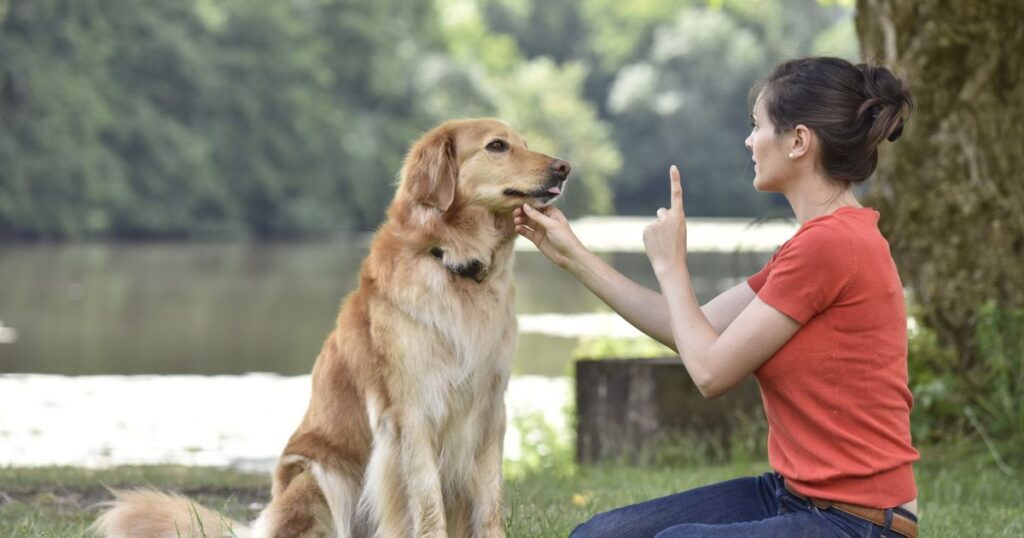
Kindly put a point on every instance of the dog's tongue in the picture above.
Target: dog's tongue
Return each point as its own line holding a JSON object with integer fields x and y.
{"x": 555, "y": 190}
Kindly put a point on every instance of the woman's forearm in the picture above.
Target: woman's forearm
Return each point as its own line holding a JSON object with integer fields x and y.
{"x": 642, "y": 307}
{"x": 647, "y": 309}
{"x": 691, "y": 329}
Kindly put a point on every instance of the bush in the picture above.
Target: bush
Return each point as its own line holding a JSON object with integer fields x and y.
{"x": 985, "y": 398}
{"x": 606, "y": 347}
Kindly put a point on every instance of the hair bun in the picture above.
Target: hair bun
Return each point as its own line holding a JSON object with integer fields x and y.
{"x": 850, "y": 108}
{"x": 887, "y": 103}
{"x": 896, "y": 133}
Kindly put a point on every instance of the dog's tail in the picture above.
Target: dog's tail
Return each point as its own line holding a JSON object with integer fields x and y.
{"x": 146, "y": 513}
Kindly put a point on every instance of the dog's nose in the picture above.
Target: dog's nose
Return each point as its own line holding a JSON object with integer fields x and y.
{"x": 560, "y": 168}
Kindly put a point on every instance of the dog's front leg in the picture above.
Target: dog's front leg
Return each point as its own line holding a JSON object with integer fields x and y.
{"x": 487, "y": 480}
{"x": 382, "y": 508}
{"x": 419, "y": 460}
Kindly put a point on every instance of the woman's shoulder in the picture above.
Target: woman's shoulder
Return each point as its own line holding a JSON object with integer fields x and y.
{"x": 850, "y": 224}
{"x": 834, "y": 241}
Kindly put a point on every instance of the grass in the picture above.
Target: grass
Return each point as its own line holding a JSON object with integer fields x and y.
{"x": 962, "y": 494}
{"x": 59, "y": 501}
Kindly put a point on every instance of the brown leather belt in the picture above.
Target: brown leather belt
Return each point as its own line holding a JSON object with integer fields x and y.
{"x": 900, "y": 523}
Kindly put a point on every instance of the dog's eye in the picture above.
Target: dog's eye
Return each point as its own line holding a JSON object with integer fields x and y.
{"x": 497, "y": 145}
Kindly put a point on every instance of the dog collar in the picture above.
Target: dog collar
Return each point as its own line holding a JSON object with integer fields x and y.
{"x": 474, "y": 269}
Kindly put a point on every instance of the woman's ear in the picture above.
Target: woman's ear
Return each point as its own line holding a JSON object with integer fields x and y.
{"x": 801, "y": 143}
{"x": 431, "y": 170}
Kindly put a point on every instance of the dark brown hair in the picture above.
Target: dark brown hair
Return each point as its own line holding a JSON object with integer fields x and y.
{"x": 851, "y": 108}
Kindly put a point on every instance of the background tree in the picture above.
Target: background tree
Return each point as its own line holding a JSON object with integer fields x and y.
{"x": 951, "y": 191}
{"x": 683, "y": 99}
{"x": 54, "y": 180}
{"x": 952, "y": 188}
{"x": 671, "y": 80}
{"x": 260, "y": 118}
{"x": 543, "y": 100}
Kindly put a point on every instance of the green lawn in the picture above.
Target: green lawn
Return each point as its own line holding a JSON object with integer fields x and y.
{"x": 961, "y": 494}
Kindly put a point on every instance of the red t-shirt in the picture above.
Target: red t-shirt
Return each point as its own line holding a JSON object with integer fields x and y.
{"x": 836, "y": 394}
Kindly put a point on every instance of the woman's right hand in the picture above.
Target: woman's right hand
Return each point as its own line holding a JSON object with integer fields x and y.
{"x": 549, "y": 230}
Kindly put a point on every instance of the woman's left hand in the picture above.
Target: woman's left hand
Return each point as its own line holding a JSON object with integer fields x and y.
{"x": 665, "y": 238}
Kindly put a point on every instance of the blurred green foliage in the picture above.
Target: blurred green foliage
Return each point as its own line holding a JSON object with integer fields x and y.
{"x": 262, "y": 118}
{"x": 607, "y": 347}
{"x": 983, "y": 400}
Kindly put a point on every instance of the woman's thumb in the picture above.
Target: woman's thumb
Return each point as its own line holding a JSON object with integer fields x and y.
{"x": 538, "y": 216}
{"x": 556, "y": 214}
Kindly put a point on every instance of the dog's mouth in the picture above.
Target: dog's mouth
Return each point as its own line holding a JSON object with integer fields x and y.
{"x": 544, "y": 194}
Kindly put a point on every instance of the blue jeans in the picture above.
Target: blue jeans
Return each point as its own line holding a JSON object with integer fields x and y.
{"x": 755, "y": 506}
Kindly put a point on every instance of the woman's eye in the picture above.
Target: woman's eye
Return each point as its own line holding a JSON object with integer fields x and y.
{"x": 497, "y": 145}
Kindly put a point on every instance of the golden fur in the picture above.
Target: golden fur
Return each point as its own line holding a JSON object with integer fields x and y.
{"x": 404, "y": 430}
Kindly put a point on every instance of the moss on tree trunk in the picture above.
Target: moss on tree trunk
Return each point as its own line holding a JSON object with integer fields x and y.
{"x": 951, "y": 192}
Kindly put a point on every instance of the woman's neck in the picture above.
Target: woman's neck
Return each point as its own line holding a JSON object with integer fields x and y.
{"x": 817, "y": 196}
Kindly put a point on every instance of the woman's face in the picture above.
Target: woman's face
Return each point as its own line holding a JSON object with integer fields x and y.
{"x": 771, "y": 163}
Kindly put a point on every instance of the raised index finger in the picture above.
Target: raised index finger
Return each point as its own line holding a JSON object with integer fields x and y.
{"x": 677, "y": 188}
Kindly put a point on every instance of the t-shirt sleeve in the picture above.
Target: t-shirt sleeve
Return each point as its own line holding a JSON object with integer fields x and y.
{"x": 757, "y": 280}
{"x": 808, "y": 274}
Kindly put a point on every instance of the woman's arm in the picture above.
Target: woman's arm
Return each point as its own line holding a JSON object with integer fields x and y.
{"x": 646, "y": 309}
{"x": 642, "y": 307}
{"x": 716, "y": 360}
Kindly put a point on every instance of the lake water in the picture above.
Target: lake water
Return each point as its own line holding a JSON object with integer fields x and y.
{"x": 166, "y": 308}
{"x": 114, "y": 354}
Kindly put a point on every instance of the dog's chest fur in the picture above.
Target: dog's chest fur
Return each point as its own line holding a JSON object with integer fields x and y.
{"x": 451, "y": 338}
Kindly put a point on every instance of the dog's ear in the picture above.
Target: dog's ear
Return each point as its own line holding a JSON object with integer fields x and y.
{"x": 431, "y": 170}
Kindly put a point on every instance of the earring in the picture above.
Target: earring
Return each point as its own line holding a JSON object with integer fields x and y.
{"x": 791, "y": 155}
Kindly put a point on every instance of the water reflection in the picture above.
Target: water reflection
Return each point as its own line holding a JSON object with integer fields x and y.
{"x": 234, "y": 308}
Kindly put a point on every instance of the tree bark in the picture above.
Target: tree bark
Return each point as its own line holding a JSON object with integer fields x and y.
{"x": 951, "y": 191}
{"x": 636, "y": 410}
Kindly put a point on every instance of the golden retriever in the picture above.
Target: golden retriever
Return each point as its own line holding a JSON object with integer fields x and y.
{"x": 404, "y": 430}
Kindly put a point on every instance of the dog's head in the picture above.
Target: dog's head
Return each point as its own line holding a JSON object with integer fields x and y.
{"x": 479, "y": 162}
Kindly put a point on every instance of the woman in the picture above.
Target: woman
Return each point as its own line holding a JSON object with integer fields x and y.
{"x": 822, "y": 326}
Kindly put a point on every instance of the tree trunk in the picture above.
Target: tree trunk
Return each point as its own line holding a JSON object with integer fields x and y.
{"x": 638, "y": 411}
{"x": 951, "y": 192}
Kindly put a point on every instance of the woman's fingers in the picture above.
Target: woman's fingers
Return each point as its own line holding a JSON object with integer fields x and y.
{"x": 676, "y": 188}
{"x": 555, "y": 213}
{"x": 548, "y": 229}
{"x": 529, "y": 213}
{"x": 542, "y": 217}
{"x": 522, "y": 221}
{"x": 527, "y": 232}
